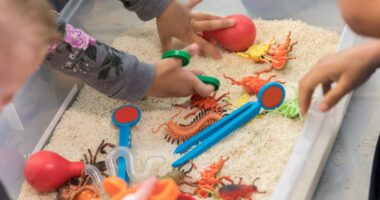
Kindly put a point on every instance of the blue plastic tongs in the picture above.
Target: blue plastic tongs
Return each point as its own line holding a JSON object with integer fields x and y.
{"x": 270, "y": 97}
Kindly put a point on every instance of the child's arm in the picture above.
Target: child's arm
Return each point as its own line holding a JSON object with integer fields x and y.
{"x": 119, "y": 74}
{"x": 362, "y": 16}
{"x": 349, "y": 69}
{"x": 146, "y": 9}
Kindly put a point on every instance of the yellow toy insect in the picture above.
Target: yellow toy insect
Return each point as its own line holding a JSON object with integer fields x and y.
{"x": 258, "y": 52}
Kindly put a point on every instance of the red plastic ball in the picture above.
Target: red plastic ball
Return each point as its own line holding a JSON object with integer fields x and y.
{"x": 236, "y": 38}
{"x": 46, "y": 171}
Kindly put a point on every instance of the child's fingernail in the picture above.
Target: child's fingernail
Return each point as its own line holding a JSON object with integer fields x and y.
{"x": 231, "y": 21}
{"x": 323, "y": 107}
{"x": 302, "y": 111}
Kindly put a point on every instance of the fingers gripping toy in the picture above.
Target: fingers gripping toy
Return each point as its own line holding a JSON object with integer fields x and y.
{"x": 185, "y": 57}
{"x": 236, "y": 38}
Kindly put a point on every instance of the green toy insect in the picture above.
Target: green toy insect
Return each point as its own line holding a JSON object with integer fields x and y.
{"x": 289, "y": 109}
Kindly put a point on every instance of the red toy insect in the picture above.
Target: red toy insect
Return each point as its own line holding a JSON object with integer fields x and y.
{"x": 280, "y": 55}
{"x": 205, "y": 103}
{"x": 180, "y": 132}
{"x": 251, "y": 84}
{"x": 209, "y": 179}
{"x": 183, "y": 196}
{"x": 237, "y": 191}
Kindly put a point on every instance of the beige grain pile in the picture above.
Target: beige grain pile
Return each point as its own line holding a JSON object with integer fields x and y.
{"x": 259, "y": 149}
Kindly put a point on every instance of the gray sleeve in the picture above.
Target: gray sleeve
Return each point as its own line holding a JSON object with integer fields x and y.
{"x": 117, "y": 74}
{"x": 146, "y": 9}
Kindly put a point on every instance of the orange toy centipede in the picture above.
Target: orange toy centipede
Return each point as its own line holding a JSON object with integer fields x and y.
{"x": 180, "y": 132}
{"x": 204, "y": 103}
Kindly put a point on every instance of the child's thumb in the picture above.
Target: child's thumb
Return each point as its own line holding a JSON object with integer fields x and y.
{"x": 202, "y": 89}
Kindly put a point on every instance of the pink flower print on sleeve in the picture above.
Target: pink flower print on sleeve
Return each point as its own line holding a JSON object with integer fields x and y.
{"x": 77, "y": 38}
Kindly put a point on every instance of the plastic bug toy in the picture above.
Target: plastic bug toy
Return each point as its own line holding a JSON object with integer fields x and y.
{"x": 204, "y": 103}
{"x": 82, "y": 188}
{"x": 252, "y": 84}
{"x": 209, "y": 179}
{"x": 258, "y": 52}
{"x": 280, "y": 55}
{"x": 237, "y": 191}
{"x": 180, "y": 132}
{"x": 179, "y": 175}
{"x": 289, "y": 109}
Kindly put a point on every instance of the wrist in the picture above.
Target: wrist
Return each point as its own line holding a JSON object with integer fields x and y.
{"x": 168, "y": 4}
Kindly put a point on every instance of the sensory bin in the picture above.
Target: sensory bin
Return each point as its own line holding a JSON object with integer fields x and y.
{"x": 259, "y": 150}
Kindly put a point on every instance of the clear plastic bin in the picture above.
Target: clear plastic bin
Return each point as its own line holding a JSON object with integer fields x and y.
{"x": 28, "y": 123}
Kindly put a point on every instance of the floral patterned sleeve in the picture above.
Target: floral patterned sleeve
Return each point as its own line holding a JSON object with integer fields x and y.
{"x": 117, "y": 74}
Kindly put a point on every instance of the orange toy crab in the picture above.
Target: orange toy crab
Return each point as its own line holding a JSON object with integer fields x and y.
{"x": 252, "y": 84}
{"x": 280, "y": 55}
{"x": 209, "y": 179}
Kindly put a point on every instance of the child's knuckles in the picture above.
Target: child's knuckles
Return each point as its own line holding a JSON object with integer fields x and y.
{"x": 324, "y": 62}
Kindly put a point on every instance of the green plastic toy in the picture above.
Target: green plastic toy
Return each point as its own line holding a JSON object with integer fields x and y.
{"x": 289, "y": 109}
{"x": 183, "y": 55}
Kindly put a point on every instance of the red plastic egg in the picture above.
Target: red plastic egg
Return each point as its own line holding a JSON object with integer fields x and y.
{"x": 46, "y": 171}
{"x": 236, "y": 38}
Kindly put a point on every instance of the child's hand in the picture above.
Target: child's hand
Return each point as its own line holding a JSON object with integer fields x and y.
{"x": 349, "y": 68}
{"x": 177, "y": 21}
{"x": 172, "y": 80}
{"x": 144, "y": 191}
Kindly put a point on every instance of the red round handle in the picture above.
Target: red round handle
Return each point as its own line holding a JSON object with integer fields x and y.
{"x": 47, "y": 171}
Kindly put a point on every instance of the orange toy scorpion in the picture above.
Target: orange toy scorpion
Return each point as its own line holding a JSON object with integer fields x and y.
{"x": 252, "y": 84}
{"x": 280, "y": 55}
{"x": 180, "y": 132}
{"x": 204, "y": 103}
{"x": 208, "y": 180}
